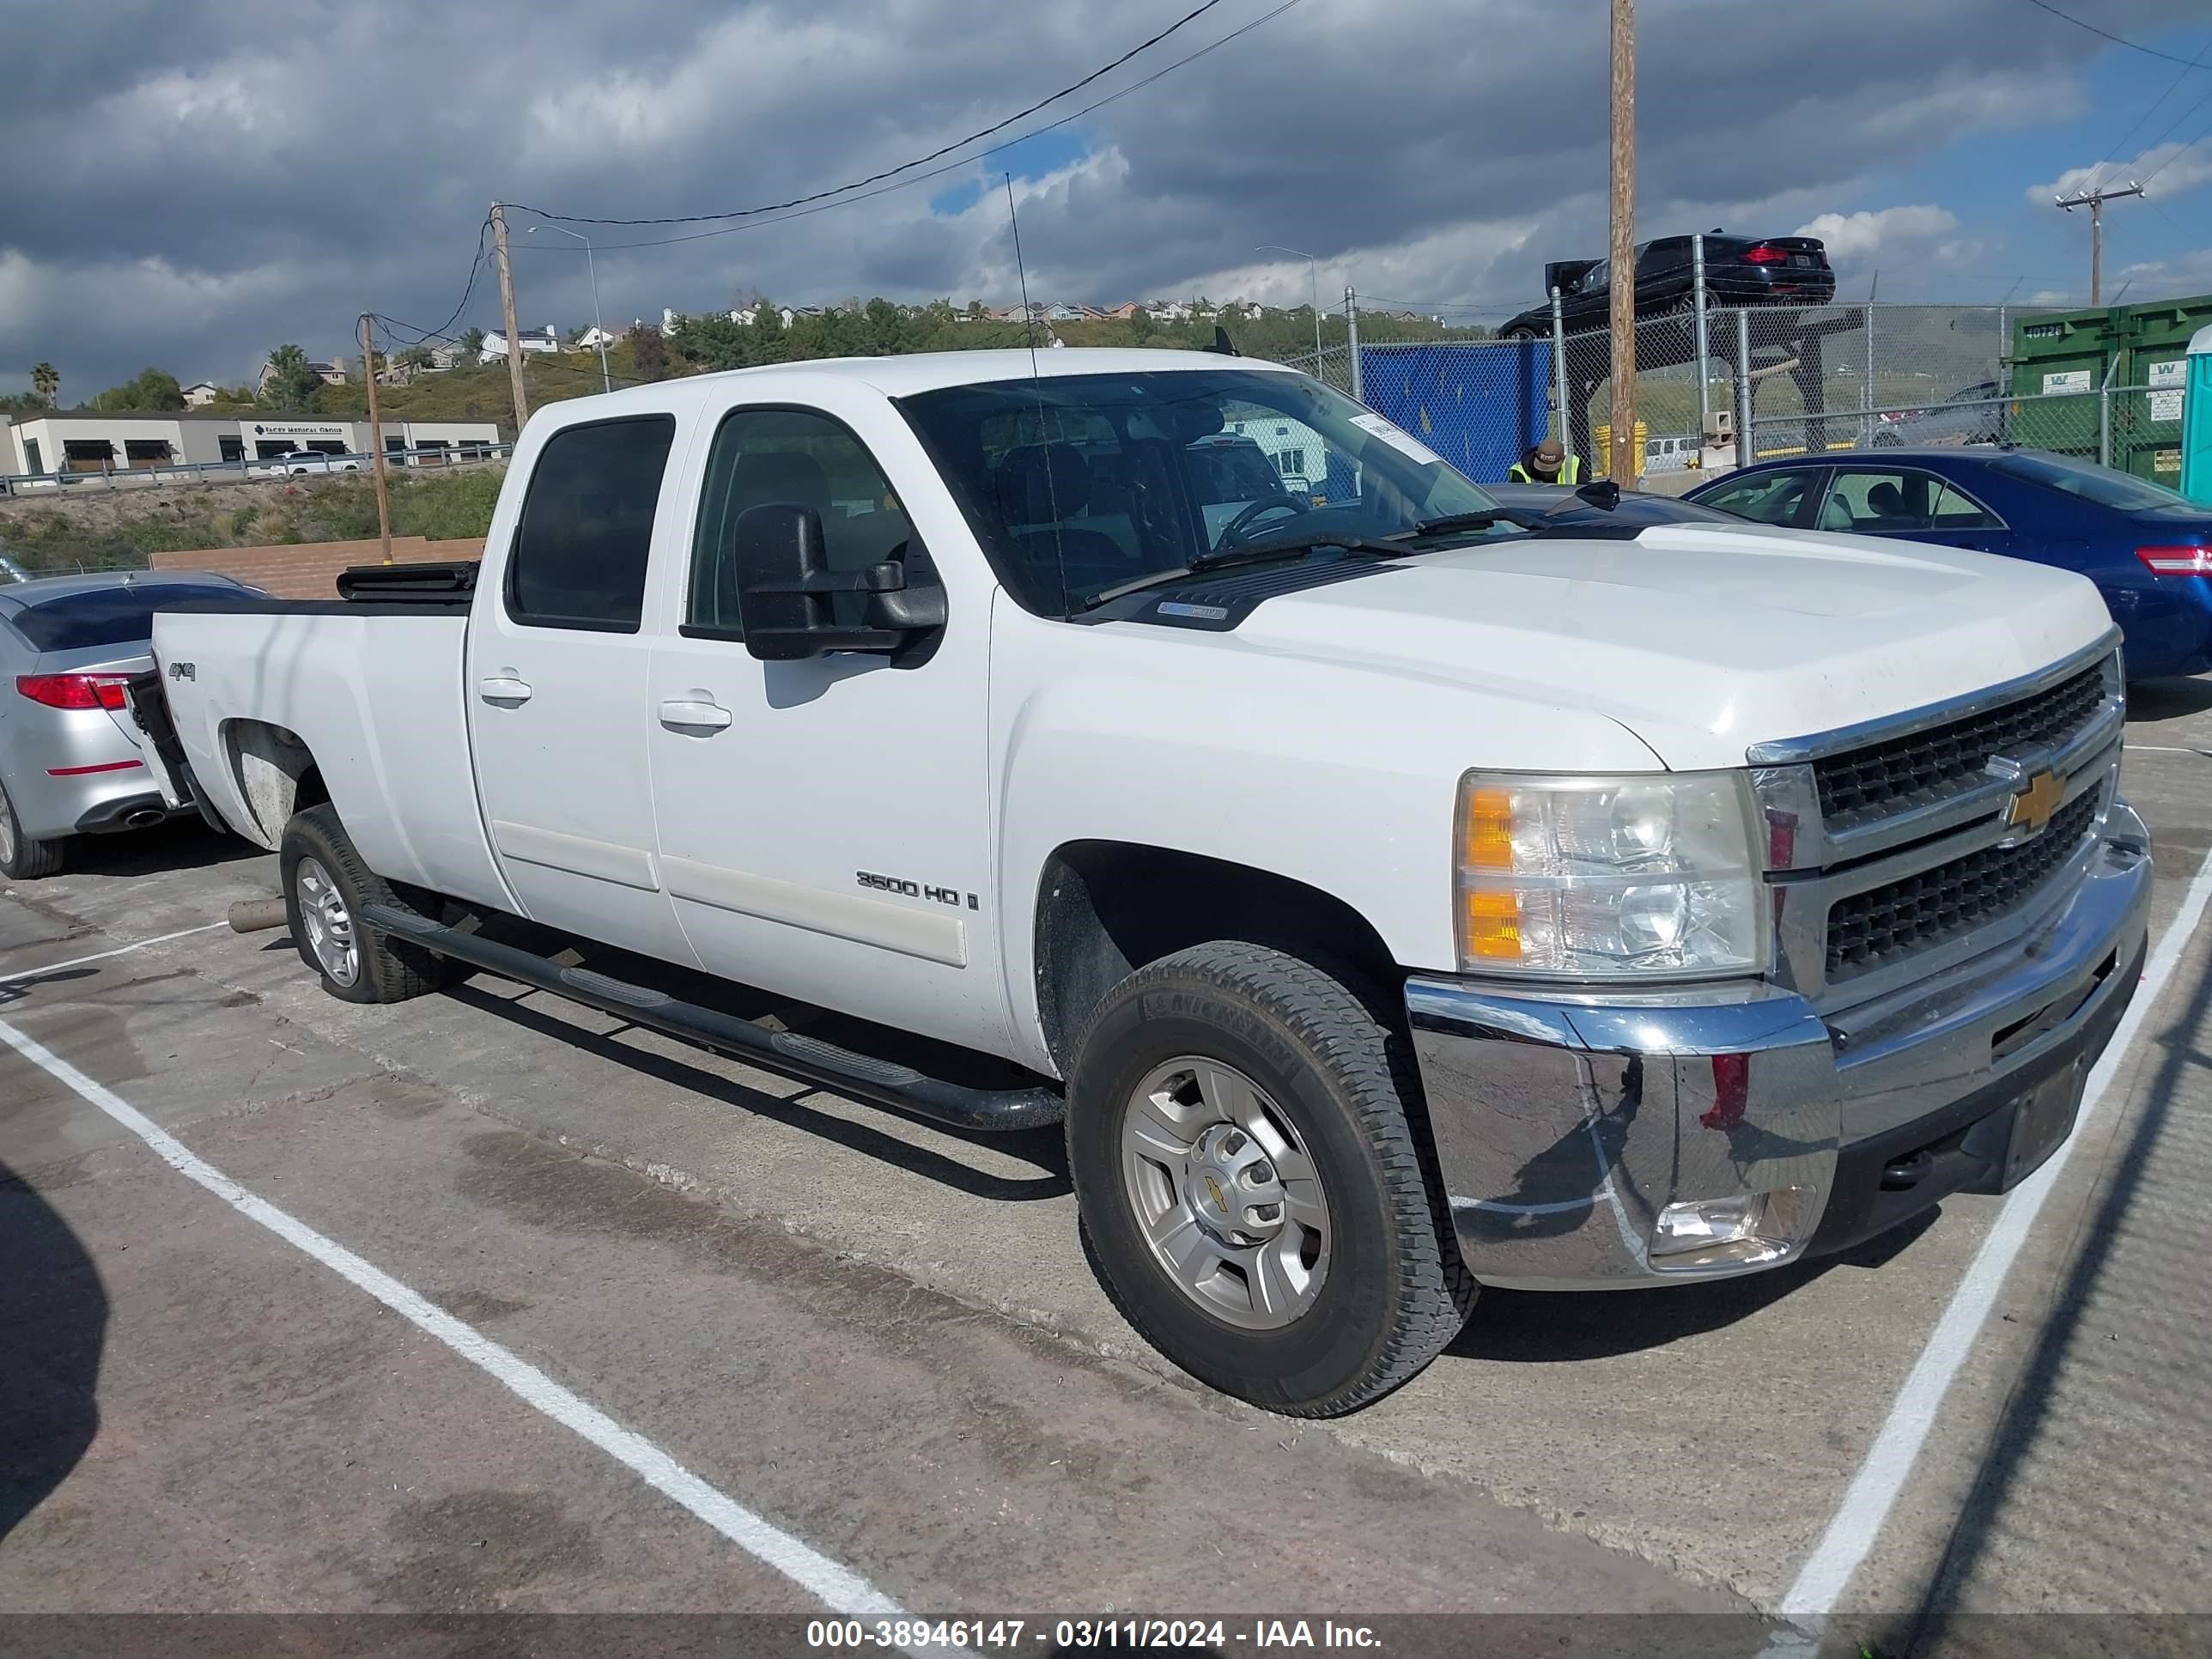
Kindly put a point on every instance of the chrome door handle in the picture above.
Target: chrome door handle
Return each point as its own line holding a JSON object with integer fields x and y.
{"x": 684, "y": 712}
{"x": 504, "y": 687}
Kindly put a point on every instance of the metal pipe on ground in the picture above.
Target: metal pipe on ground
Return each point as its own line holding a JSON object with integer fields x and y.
{"x": 256, "y": 915}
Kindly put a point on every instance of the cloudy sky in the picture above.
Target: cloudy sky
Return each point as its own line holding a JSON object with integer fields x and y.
{"x": 189, "y": 184}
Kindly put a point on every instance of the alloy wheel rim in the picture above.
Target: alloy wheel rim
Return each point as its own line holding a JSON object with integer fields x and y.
{"x": 1225, "y": 1194}
{"x": 329, "y": 924}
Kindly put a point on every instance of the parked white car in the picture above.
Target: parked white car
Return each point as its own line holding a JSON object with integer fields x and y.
{"x": 302, "y": 462}
{"x": 1392, "y": 898}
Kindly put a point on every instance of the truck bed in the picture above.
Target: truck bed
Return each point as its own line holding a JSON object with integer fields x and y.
{"x": 373, "y": 688}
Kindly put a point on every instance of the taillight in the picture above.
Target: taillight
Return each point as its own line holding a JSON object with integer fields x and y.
{"x": 1764, "y": 255}
{"x": 2176, "y": 561}
{"x": 73, "y": 690}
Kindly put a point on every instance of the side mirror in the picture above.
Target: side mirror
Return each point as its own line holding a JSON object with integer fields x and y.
{"x": 785, "y": 585}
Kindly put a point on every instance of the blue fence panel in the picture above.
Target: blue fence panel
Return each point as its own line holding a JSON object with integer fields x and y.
{"x": 1478, "y": 404}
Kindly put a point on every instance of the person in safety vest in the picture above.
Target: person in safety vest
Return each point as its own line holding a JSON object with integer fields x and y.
{"x": 1548, "y": 463}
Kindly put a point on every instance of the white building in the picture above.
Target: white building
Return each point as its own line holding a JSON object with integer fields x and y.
{"x": 593, "y": 338}
{"x": 535, "y": 341}
{"x": 200, "y": 394}
{"x": 47, "y": 442}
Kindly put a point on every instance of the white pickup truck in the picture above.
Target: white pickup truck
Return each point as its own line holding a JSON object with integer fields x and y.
{"x": 1393, "y": 896}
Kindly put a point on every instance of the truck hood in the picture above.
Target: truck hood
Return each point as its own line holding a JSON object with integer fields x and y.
{"x": 1701, "y": 639}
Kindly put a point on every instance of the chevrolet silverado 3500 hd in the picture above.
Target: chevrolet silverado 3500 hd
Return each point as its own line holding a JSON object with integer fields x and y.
{"x": 1394, "y": 895}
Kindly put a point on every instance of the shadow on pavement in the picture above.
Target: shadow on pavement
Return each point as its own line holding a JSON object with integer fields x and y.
{"x": 1525, "y": 1327}
{"x": 2032, "y": 1411}
{"x": 181, "y": 844}
{"x": 2160, "y": 700}
{"x": 1043, "y": 1147}
{"x": 53, "y": 1323}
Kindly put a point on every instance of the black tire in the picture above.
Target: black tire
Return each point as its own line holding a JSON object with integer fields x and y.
{"x": 387, "y": 969}
{"x": 23, "y": 858}
{"x": 1522, "y": 333}
{"x": 1395, "y": 1292}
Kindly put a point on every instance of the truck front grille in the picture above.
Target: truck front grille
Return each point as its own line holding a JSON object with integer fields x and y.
{"x": 1872, "y": 929}
{"x": 1865, "y": 785}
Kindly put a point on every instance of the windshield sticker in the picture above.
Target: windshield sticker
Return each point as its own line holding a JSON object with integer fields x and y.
{"x": 1404, "y": 442}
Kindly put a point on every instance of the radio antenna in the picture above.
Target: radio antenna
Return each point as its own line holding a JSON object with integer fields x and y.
{"x": 1028, "y": 318}
{"x": 1036, "y": 387}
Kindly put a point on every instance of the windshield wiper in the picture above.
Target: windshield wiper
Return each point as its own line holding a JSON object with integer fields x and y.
{"x": 1283, "y": 547}
{"x": 1453, "y": 522}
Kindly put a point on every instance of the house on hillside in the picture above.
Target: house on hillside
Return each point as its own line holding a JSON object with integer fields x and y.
{"x": 593, "y": 338}
{"x": 534, "y": 343}
{"x": 1123, "y": 312}
{"x": 201, "y": 393}
{"x": 329, "y": 374}
{"x": 1167, "y": 311}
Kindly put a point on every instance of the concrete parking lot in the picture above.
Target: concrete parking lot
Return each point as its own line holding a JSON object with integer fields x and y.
{"x": 881, "y": 1342}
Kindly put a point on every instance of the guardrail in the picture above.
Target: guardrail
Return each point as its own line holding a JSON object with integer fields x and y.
{"x": 248, "y": 470}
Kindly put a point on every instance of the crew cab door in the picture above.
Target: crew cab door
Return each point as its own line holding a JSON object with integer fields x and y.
{"x": 824, "y": 823}
{"x": 555, "y": 685}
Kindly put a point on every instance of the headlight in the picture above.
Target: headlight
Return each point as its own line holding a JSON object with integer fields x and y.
{"x": 1588, "y": 877}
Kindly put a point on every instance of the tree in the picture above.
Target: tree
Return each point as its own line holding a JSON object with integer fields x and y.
{"x": 150, "y": 390}
{"x": 291, "y": 383}
{"x": 46, "y": 382}
{"x": 649, "y": 351}
{"x": 415, "y": 357}
{"x": 472, "y": 342}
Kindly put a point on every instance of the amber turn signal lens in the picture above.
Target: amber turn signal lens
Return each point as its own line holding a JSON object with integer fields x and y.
{"x": 1489, "y": 841}
{"x": 1491, "y": 926}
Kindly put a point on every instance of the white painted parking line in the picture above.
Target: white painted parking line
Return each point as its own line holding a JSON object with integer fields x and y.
{"x": 1821, "y": 1582}
{"x": 2166, "y": 749}
{"x": 835, "y": 1586}
{"x": 102, "y": 956}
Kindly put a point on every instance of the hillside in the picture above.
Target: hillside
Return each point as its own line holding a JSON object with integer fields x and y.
{"x": 121, "y": 530}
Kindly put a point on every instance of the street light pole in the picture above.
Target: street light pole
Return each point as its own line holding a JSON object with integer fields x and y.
{"x": 1313, "y": 275}
{"x": 598, "y": 328}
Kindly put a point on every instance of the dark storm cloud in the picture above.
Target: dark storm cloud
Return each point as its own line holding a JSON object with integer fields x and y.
{"x": 190, "y": 188}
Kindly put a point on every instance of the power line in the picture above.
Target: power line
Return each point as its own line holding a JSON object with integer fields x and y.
{"x": 903, "y": 166}
{"x": 966, "y": 162}
{"x": 2114, "y": 149}
{"x": 2185, "y": 148}
{"x": 2148, "y": 52}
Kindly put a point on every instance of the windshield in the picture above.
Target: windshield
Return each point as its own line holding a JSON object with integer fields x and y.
{"x": 107, "y": 616}
{"x": 1077, "y": 485}
{"x": 2100, "y": 484}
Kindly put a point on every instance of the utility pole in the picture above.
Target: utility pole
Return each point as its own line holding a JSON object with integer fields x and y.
{"x": 1622, "y": 271}
{"x": 506, "y": 312}
{"x": 2094, "y": 200}
{"x": 375, "y": 435}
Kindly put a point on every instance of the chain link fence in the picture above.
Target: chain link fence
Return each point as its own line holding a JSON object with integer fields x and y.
{"x": 1769, "y": 380}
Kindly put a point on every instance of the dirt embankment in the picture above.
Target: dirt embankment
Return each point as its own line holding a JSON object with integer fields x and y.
{"x": 90, "y": 526}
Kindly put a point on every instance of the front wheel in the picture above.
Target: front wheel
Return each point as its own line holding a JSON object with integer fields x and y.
{"x": 1251, "y": 1181}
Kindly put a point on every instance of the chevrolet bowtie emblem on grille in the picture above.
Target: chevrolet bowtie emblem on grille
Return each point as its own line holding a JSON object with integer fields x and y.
{"x": 2034, "y": 802}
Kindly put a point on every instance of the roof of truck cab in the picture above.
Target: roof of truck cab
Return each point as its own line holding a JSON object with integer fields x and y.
{"x": 930, "y": 371}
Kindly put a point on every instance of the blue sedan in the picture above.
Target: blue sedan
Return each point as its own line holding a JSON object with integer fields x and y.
{"x": 2148, "y": 549}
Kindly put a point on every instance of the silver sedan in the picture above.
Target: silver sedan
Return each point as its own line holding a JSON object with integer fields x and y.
{"x": 71, "y": 760}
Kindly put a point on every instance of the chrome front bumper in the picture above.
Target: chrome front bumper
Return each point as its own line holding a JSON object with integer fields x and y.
{"x": 1566, "y": 1122}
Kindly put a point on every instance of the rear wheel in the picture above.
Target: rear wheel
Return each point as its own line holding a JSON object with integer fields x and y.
{"x": 1252, "y": 1185}
{"x": 326, "y": 887}
{"x": 22, "y": 858}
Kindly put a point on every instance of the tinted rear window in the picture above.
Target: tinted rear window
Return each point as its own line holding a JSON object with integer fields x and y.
{"x": 580, "y": 554}
{"x": 107, "y": 616}
{"x": 2101, "y": 484}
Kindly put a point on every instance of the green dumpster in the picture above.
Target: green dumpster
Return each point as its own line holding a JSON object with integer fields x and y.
{"x": 2108, "y": 382}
